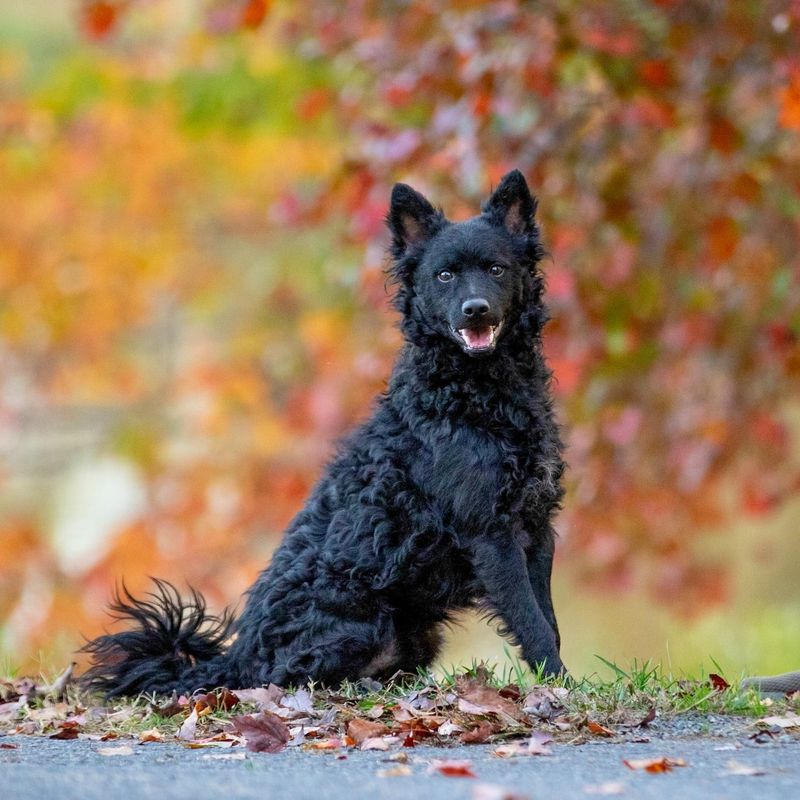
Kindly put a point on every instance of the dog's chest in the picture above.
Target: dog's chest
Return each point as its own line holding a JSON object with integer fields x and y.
{"x": 463, "y": 471}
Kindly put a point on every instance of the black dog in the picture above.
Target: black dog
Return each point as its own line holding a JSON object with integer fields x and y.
{"x": 441, "y": 501}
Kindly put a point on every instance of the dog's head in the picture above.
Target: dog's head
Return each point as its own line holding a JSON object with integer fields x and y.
{"x": 467, "y": 282}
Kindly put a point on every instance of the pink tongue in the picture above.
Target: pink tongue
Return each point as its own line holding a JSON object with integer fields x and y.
{"x": 480, "y": 337}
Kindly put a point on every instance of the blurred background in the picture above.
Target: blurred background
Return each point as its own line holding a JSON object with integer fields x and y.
{"x": 192, "y": 299}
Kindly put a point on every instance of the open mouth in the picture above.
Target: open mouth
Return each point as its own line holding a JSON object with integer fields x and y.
{"x": 477, "y": 340}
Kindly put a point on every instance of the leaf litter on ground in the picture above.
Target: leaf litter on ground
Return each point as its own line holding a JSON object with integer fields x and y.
{"x": 520, "y": 717}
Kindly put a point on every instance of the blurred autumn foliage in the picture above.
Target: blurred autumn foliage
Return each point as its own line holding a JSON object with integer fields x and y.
{"x": 192, "y": 300}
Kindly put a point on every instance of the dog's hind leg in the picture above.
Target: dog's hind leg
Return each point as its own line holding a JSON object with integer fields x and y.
{"x": 500, "y": 564}
{"x": 336, "y": 649}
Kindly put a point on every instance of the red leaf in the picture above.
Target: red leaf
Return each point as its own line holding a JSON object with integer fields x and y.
{"x": 453, "y": 769}
{"x": 718, "y": 682}
{"x": 662, "y": 764}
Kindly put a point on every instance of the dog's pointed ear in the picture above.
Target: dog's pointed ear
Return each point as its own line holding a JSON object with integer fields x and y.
{"x": 512, "y": 205}
{"x": 411, "y": 219}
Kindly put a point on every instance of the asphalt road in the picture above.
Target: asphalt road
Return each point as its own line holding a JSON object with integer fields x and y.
{"x": 41, "y": 768}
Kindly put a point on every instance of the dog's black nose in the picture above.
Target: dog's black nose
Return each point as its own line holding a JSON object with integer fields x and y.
{"x": 475, "y": 307}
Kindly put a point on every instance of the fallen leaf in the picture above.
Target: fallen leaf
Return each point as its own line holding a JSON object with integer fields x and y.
{"x": 122, "y": 750}
{"x": 263, "y": 699}
{"x": 791, "y": 720}
{"x": 361, "y": 729}
{"x": 220, "y": 699}
{"x": 376, "y": 712}
{"x": 6, "y": 746}
{"x": 736, "y": 768}
{"x": 448, "y": 728}
{"x": 606, "y": 789}
{"x": 492, "y": 791}
{"x": 661, "y": 764}
{"x": 479, "y": 734}
{"x": 452, "y": 769}
{"x": 374, "y": 743}
{"x": 598, "y": 729}
{"x": 718, "y": 682}
{"x": 400, "y": 758}
{"x": 264, "y": 732}
{"x": 544, "y": 702}
{"x": 67, "y": 730}
{"x": 220, "y": 740}
{"x": 299, "y": 701}
{"x": 477, "y": 698}
{"x": 59, "y": 686}
{"x": 153, "y": 735}
{"x": 175, "y": 705}
{"x": 511, "y": 692}
{"x": 187, "y": 730}
{"x": 325, "y": 744}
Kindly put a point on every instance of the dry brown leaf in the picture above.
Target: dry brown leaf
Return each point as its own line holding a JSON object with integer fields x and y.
{"x": 264, "y": 699}
{"x": 326, "y": 744}
{"x": 153, "y": 735}
{"x": 263, "y": 732}
{"x": 375, "y": 743}
{"x": 475, "y": 697}
{"x": 175, "y": 705}
{"x": 376, "y": 712}
{"x": 211, "y": 701}
{"x": 479, "y": 734}
{"x": 660, "y": 764}
{"x": 188, "y": 727}
{"x": 361, "y": 729}
{"x": 791, "y": 720}
{"x": 448, "y": 728}
{"x": 598, "y": 729}
{"x": 544, "y": 702}
{"x": 59, "y": 686}
{"x": 301, "y": 701}
{"x": 67, "y": 730}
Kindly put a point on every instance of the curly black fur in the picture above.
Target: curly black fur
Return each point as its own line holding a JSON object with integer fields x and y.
{"x": 441, "y": 501}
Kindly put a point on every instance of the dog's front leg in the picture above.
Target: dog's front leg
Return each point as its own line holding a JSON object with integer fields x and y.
{"x": 501, "y": 566}
{"x": 540, "y": 565}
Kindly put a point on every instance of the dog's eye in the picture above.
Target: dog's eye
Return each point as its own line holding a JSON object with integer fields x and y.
{"x": 497, "y": 270}
{"x": 445, "y": 276}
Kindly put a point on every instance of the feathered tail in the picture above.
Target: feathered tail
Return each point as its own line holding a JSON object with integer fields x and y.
{"x": 173, "y": 644}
